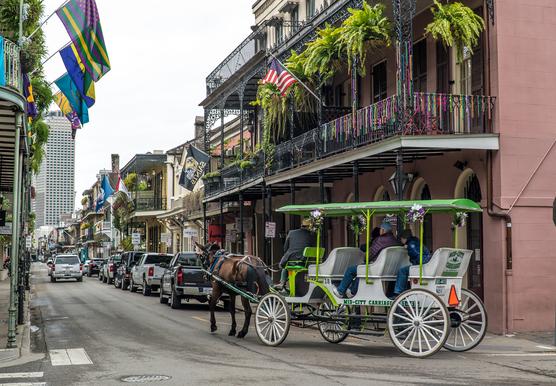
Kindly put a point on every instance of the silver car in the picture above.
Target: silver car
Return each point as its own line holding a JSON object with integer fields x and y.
{"x": 66, "y": 267}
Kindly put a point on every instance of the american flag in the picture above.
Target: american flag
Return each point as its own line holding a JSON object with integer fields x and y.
{"x": 279, "y": 76}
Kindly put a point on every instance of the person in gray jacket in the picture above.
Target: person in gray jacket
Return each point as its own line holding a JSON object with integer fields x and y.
{"x": 296, "y": 242}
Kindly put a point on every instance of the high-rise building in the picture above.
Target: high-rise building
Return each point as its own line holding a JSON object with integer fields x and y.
{"x": 55, "y": 182}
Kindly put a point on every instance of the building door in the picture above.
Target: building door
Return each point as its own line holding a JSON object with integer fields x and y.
{"x": 475, "y": 238}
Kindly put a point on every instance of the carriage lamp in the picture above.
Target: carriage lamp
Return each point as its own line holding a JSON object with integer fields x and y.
{"x": 406, "y": 177}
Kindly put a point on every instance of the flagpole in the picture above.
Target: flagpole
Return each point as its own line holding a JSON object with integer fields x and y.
{"x": 45, "y": 20}
{"x": 298, "y": 80}
{"x": 51, "y": 56}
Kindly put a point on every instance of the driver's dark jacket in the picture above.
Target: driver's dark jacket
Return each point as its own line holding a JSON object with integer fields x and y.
{"x": 296, "y": 242}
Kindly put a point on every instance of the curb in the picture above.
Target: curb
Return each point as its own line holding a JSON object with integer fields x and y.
{"x": 22, "y": 338}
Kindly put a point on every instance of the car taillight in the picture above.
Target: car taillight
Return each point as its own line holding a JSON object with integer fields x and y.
{"x": 179, "y": 276}
{"x": 111, "y": 268}
{"x": 81, "y": 267}
{"x": 53, "y": 267}
{"x": 151, "y": 271}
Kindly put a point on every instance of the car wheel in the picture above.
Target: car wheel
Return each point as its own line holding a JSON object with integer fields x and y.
{"x": 52, "y": 279}
{"x": 117, "y": 283}
{"x": 146, "y": 289}
{"x": 163, "y": 299}
{"x": 104, "y": 279}
{"x": 89, "y": 274}
{"x": 175, "y": 301}
{"x": 132, "y": 286}
{"x": 80, "y": 279}
{"x": 124, "y": 285}
{"x": 99, "y": 277}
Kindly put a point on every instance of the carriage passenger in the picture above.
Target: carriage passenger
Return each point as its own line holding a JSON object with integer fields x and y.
{"x": 412, "y": 244}
{"x": 385, "y": 240}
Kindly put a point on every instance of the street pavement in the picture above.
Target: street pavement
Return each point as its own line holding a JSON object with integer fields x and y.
{"x": 91, "y": 333}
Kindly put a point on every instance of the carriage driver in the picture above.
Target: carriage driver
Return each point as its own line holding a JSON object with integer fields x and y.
{"x": 296, "y": 242}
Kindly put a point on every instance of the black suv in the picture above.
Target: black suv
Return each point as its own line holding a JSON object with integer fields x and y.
{"x": 123, "y": 274}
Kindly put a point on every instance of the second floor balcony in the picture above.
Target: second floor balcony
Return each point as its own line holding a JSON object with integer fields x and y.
{"x": 11, "y": 77}
{"x": 147, "y": 204}
{"x": 433, "y": 115}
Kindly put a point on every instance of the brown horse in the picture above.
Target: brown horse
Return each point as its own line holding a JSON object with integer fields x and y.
{"x": 242, "y": 271}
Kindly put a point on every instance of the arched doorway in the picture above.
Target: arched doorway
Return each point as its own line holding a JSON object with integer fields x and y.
{"x": 468, "y": 186}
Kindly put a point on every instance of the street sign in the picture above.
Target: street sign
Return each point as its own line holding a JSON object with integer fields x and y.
{"x": 6, "y": 229}
{"x": 190, "y": 232}
{"x": 28, "y": 242}
{"x": 270, "y": 230}
{"x": 136, "y": 238}
{"x": 166, "y": 237}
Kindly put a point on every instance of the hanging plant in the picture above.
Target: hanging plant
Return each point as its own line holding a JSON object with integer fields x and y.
{"x": 323, "y": 54}
{"x": 456, "y": 25}
{"x": 303, "y": 101}
{"x": 366, "y": 28}
{"x": 275, "y": 109}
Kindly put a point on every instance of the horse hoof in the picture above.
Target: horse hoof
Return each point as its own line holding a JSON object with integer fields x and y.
{"x": 241, "y": 334}
{"x": 213, "y": 328}
{"x": 232, "y": 333}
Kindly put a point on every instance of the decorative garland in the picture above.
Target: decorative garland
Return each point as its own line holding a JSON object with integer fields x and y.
{"x": 459, "y": 220}
{"x": 358, "y": 224}
{"x": 415, "y": 214}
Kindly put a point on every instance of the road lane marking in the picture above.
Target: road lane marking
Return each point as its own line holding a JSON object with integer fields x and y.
{"x": 24, "y": 384}
{"x": 22, "y": 375}
{"x": 199, "y": 318}
{"x": 525, "y": 354}
{"x": 67, "y": 357}
{"x": 547, "y": 347}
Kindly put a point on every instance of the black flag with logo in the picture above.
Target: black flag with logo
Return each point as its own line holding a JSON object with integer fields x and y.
{"x": 195, "y": 165}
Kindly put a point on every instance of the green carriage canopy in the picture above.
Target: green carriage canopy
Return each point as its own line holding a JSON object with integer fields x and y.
{"x": 341, "y": 209}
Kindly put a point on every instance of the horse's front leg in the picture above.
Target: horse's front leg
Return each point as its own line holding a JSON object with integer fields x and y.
{"x": 216, "y": 293}
{"x": 248, "y": 312}
{"x": 232, "y": 305}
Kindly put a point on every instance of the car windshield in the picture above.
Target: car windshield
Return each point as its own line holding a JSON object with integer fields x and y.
{"x": 98, "y": 260}
{"x": 117, "y": 259}
{"x": 67, "y": 260}
{"x": 190, "y": 259}
{"x": 136, "y": 257}
{"x": 157, "y": 259}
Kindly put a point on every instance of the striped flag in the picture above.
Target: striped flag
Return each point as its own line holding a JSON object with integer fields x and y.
{"x": 81, "y": 19}
{"x": 120, "y": 187}
{"x": 279, "y": 76}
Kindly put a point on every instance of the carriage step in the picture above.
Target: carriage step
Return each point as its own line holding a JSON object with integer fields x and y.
{"x": 359, "y": 332}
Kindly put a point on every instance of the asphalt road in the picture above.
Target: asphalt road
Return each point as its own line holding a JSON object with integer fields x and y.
{"x": 123, "y": 334}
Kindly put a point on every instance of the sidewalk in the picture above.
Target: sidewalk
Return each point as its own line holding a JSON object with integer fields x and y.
{"x": 23, "y": 339}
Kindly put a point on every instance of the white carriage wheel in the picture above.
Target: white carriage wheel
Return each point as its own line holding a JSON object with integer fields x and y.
{"x": 333, "y": 331}
{"x": 418, "y": 323}
{"x": 272, "y": 319}
{"x": 468, "y": 323}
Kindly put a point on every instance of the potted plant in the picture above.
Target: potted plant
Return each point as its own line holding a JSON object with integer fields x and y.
{"x": 211, "y": 177}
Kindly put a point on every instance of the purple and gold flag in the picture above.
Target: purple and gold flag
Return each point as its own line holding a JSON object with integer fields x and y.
{"x": 82, "y": 21}
{"x": 31, "y": 107}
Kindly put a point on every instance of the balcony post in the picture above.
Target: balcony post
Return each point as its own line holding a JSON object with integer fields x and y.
{"x": 12, "y": 310}
{"x": 399, "y": 185}
{"x": 354, "y": 99}
{"x": 221, "y": 221}
{"x": 292, "y": 129}
{"x": 356, "y": 181}
{"x": 323, "y": 201}
{"x": 222, "y": 135}
{"x": 241, "y": 238}
{"x": 269, "y": 216}
{"x": 292, "y": 202}
{"x": 264, "y": 222}
{"x": 205, "y": 229}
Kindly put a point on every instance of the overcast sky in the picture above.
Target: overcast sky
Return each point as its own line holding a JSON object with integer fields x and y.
{"x": 160, "y": 53}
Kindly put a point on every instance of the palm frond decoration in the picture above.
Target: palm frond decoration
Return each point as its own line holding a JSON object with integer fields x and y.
{"x": 323, "y": 54}
{"x": 366, "y": 28}
{"x": 303, "y": 101}
{"x": 274, "y": 106}
{"x": 456, "y": 25}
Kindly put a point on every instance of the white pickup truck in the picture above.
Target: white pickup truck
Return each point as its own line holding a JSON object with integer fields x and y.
{"x": 148, "y": 271}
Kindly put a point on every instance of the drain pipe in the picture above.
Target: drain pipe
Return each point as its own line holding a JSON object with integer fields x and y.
{"x": 508, "y": 259}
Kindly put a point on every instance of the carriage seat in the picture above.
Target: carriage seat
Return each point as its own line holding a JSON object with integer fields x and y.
{"x": 337, "y": 262}
{"x": 386, "y": 265}
{"x": 445, "y": 262}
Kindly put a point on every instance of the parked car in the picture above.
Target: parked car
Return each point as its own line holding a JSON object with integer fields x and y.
{"x": 66, "y": 267}
{"x": 93, "y": 267}
{"x": 183, "y": 279}
{"x": 110, "y": 267}
{"x": 129, "y": 259}
{"x": 148, "y": 271}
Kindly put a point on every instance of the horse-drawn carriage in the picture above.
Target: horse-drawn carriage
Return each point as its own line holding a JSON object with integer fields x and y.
{"x": 435, "y": 312}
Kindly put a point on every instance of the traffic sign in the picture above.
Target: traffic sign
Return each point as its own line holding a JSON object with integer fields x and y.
{"x": 136, "y": 238}
{"x": 270, "y": 230}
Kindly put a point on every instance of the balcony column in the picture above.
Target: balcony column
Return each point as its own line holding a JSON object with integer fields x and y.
{"x": 269, "y": 216}
{"x": 205, "y": 228}
{"x": 263, "y": 197}
{"x": 404, "y": 11}
{"x": 241, "y": 238}
{"x": 399, "y": 185}
{"x": 323, "y": 201}
{"x": 354, "y": 98}
{"x": 222, "y": 135}
{"x": 292, "y": 128}
{"x": 356, "y": 181}
{"x": 222, "y": 228}
{"x": 292, "y": 202}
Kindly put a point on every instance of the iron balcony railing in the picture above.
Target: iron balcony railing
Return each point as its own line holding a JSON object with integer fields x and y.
{"x": 11, "y": 77}
{"x": 233, "y": 176}
{"x": 149, "y": 203}
{"x": 432, "y": 114}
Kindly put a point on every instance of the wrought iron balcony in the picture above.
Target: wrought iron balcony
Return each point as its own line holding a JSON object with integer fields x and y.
{"x": 233, "y": 177}
{"x": 12, "y": 67}
{"x": 143, "y": 204}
